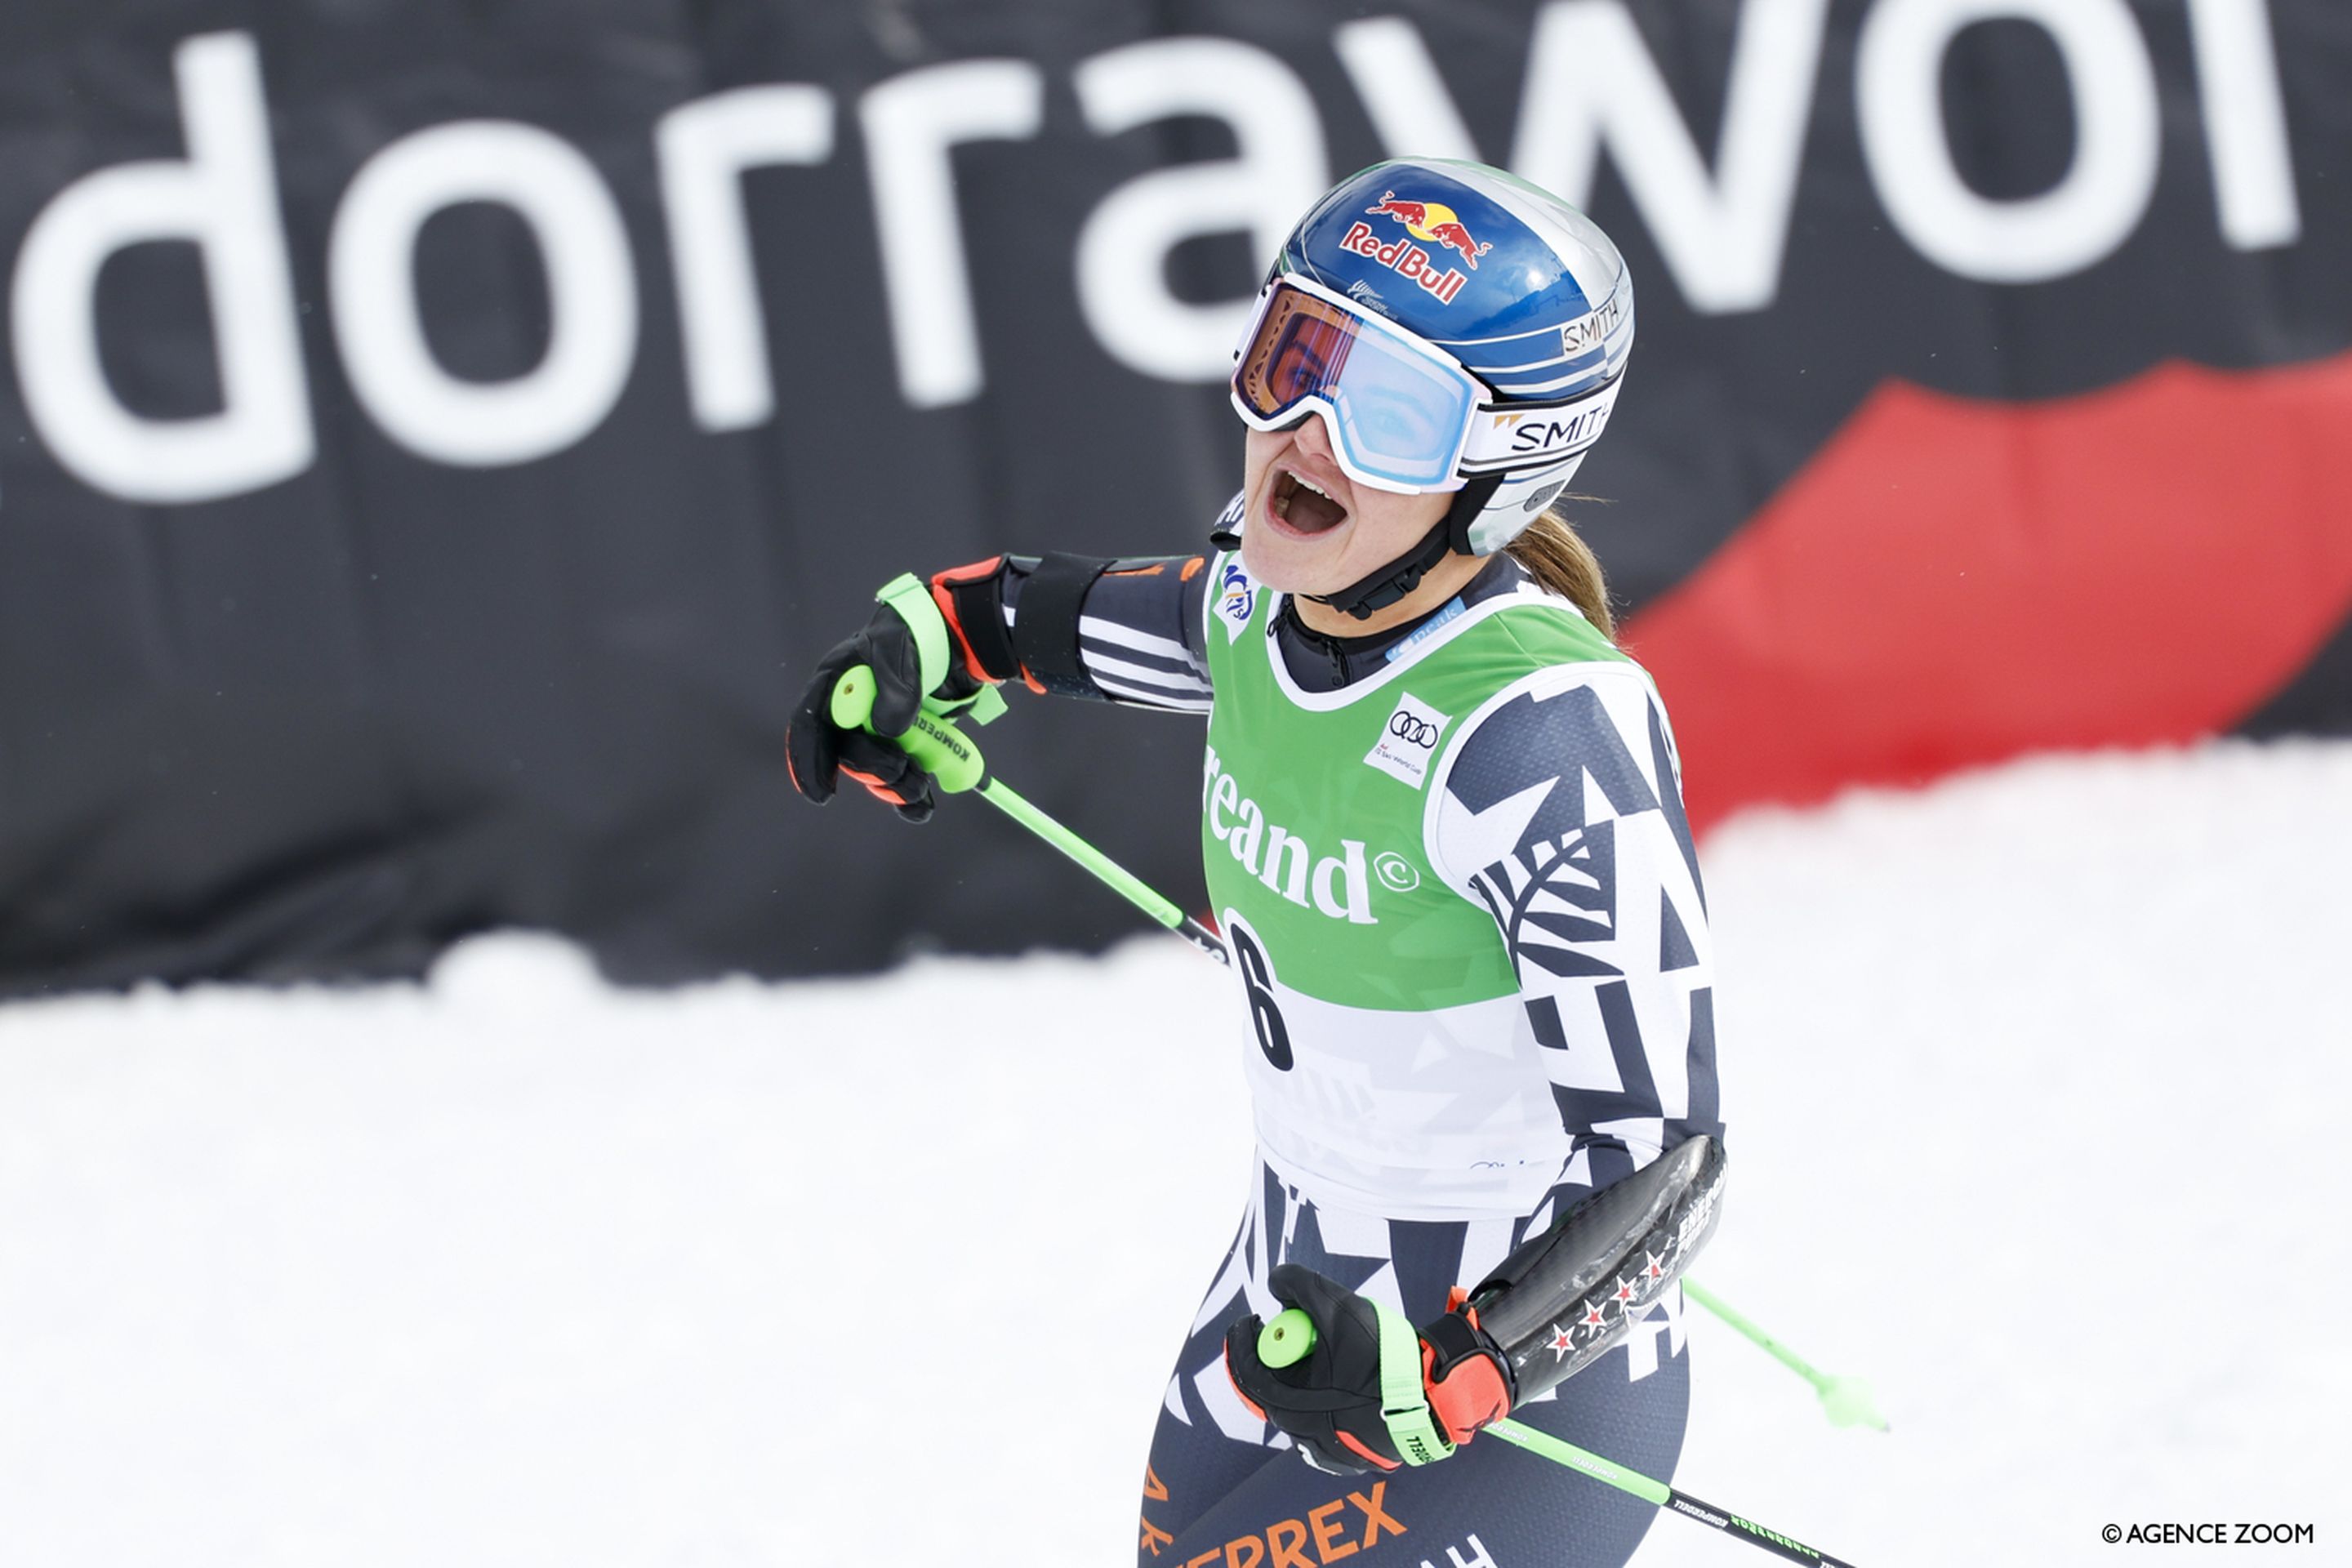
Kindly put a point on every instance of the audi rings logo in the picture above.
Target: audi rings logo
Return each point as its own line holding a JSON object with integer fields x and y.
{"x": 1408, "y": 743}
{"x": 1414, "y": 731}
{"x": 1395, "y": 872}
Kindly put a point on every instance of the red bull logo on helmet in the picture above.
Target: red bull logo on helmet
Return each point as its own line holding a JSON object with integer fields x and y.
{"x": 1433, "y": 222}
{"x": 1404, "y": 258}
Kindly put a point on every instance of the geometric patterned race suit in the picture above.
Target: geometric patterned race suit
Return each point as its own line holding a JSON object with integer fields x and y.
{"x": 1437, "y": 1097}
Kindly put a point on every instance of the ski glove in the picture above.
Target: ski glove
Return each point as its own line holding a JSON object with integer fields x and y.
{"x": 917, "y": 648}
{"x": 1372, "y": 1394}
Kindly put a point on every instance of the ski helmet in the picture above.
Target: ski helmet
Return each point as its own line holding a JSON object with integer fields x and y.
{"x": 1460, "y": 330}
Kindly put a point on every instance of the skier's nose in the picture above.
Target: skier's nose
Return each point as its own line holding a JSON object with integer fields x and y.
{"x": 1314, "y": 438}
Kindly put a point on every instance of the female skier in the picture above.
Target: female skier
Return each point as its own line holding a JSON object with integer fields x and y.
{"x": 1445, "y": 845}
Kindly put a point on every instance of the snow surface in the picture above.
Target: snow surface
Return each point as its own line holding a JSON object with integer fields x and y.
{"x": 2029, "y": 1079}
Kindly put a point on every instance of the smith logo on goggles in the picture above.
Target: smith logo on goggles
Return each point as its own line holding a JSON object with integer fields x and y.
{"x": 1404, "y": 417}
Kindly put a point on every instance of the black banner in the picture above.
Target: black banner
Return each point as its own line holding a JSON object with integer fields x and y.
{"x": 437, "y": 438}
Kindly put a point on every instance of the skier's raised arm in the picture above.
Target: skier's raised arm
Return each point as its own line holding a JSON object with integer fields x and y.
{"x": 1125, "y": 630}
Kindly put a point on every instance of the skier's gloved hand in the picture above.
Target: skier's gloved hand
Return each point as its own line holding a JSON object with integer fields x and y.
{"x": 1373, "y": 1394}
{"x": 917, "y": 648}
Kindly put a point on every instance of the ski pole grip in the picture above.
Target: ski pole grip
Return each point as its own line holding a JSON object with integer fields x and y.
{"x": 1289, "y": 1339}
{"x": 939, "y": 748}
{"x": 852, "y": 698}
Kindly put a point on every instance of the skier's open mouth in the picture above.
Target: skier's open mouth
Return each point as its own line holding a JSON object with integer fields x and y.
{"x": 1298, "y": 507}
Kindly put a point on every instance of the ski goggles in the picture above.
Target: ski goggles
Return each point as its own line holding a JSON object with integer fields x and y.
{"x": 1405, "y": 417}
{"x": 1399, "y": 410}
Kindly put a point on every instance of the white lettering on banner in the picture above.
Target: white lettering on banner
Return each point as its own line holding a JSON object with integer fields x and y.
{"x": 1408, "y": 741}
{"x": 1411, "y": 111}
{"x": 1722, "y": 235}
{"x": 2245, "y": 123}
{"x": 1898, "y": 67}
{"x": 912, "y": 122}
{"x": 591, "y": 293}
{"x": 1593, "y": 87}
{"x": 223, "y": 197}
{"x": 705, "y": 146}
{"x": 1124, "y": 244}
{"x": 1341, "y": 885}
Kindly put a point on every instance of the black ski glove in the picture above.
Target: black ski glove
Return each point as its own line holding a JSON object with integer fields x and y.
{"x": 916, "y": 649}
{"x": 1371, "y": 1395}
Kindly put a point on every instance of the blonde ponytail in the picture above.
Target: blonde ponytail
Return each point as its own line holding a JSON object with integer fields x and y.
{"x": 1562, "y": 564}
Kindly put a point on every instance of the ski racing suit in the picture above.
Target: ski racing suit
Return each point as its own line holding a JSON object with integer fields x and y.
{"x": 1452, "y": 866}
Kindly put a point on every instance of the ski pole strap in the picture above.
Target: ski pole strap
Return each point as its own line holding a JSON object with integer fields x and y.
{"x": 911, "y": 596}
{"x": 1405, "y": 1398}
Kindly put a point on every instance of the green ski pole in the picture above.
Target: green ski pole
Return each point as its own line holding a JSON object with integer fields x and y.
{"x": 1847, "y": 1400}
{"x": 1291, "y": 1335}
{"x": 948, "y": 757}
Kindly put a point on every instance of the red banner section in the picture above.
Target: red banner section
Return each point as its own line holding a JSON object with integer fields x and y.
{"x": 1950, "y": 583}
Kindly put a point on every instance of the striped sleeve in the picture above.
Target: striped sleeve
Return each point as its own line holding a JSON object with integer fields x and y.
{"x": 1139, "y": 633}
{"x": 1140, "y": 630}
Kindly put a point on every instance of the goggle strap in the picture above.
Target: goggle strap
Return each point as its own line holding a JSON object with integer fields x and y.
{"x": 1505, "y": 436}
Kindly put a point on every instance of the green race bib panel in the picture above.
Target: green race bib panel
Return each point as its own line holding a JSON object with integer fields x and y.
{"x": 1393, "y": 1067}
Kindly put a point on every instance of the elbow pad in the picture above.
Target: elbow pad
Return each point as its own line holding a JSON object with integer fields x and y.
{"x": 1568, "y": 1296}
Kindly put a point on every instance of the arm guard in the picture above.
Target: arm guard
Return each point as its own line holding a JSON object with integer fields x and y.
{"x": 1567, "y": 1296}
{"x": 1040, "y": 647}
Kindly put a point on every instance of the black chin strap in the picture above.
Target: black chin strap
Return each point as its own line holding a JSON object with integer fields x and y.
{"x": 1399, "y": 577}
